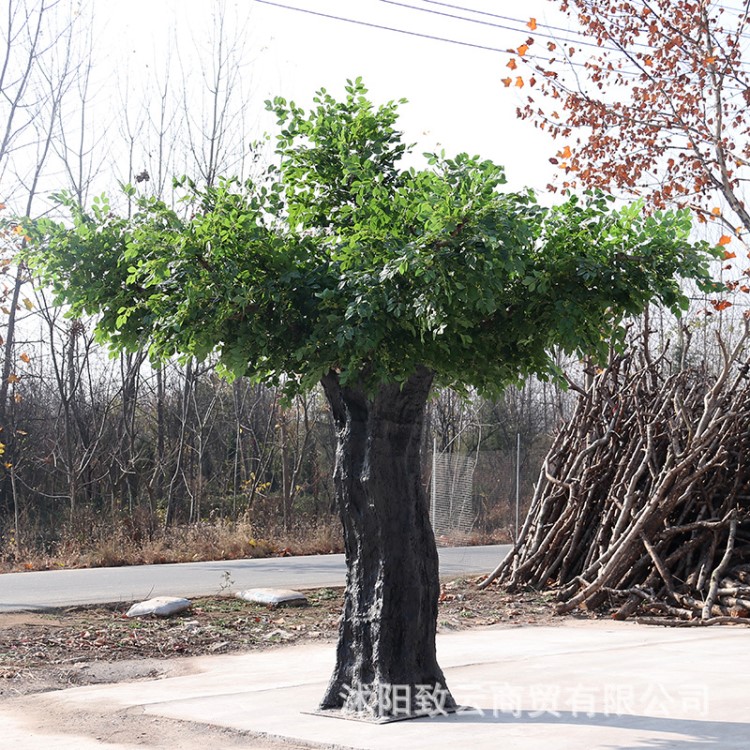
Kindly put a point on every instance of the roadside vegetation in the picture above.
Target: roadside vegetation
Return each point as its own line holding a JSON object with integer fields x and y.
{"x": 107, "y": 461}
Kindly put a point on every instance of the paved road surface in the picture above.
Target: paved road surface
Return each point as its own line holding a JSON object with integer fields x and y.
{"x": 65, "y": 588}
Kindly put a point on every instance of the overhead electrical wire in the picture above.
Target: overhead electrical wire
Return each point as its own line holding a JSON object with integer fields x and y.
{"x": 382, "y": 27}
{"x": 485, "y": 13}
{"x": 538, "y": 25}
{"x": 490, "y": 24}
{"x": 739, "y": 11}
{"x": 538, "y": 32}
{"x": 433, "y": 37}
{"x": 422, "y": 35}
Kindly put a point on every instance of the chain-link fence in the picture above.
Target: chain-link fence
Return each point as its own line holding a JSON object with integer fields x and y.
{"x": 482, "y": 494}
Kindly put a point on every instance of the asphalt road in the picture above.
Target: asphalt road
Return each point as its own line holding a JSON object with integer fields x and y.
{"x": 53, "y": 589}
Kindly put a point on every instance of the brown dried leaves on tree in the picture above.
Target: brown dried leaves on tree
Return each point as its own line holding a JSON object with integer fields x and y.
{"x": 653, "y": 103}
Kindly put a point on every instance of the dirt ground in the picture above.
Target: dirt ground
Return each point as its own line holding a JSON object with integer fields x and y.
{"x": 41, "y": 653}
{"x": 87, "y": 645}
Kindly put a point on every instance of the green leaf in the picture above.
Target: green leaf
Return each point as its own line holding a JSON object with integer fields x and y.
{"x": 341, "y": 257}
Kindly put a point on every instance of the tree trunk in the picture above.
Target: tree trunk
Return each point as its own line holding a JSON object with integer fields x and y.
{"x": 386, "y": 666}
{"x": 175, "y": 505}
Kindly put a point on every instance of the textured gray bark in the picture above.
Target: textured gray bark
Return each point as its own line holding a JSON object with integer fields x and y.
{"x": 386, "y": 665}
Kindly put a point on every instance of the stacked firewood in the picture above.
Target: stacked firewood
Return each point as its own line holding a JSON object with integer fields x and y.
{"x": 643, "y": 503}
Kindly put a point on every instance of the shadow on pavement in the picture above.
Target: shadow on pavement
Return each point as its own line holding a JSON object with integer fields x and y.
{"x": 724, "y": 735}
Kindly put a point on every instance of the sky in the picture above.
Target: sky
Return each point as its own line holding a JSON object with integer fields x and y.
{"x": 457, "y": 101}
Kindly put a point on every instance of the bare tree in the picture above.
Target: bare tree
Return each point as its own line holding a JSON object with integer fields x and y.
{"x": 39, "y": 66}
{"x": 214, "y": 126}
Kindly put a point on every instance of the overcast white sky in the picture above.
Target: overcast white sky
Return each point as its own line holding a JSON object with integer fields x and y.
{"x": 456, "y": 98}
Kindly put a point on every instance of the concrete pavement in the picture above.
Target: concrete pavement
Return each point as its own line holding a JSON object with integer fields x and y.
{"x": 583, "y": 686}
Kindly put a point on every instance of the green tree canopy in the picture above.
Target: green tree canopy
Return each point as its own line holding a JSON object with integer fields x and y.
{"x": 341, "y": 266}
{"x": 340, "y": 258}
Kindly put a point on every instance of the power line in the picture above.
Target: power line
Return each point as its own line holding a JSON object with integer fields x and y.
{"x": 510, "y": 19}
{"x": 421, "y": 35}
{"x": 741, "y": 12}
{"x": 490, "y": 24}
{"x": 433, "y": 37}
{"x": 383, "y": 28}
{"x": 536, "y": 32}
{"x": 449, "y": 40}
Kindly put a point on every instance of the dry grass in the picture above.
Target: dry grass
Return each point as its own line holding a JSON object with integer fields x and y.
{"x": 93, "y": 541}
{"x": 474, "y": 538}
{"x": 91, "y": 544}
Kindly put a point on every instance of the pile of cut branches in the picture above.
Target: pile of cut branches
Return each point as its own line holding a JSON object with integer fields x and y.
{"x": 643, "y": 503}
